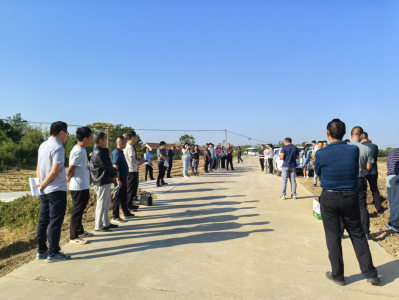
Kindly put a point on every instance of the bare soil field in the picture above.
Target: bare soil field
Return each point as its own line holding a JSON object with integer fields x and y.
{"x": 388, "y": 239}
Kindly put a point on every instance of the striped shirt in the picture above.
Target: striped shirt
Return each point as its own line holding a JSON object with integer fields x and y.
{"x": 338, "y": 166}
{"x": 393, "y": 162}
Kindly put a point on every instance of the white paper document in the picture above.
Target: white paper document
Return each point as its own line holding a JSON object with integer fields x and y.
{"x": 33, "y": 182}
{"x": 166, "y": 164}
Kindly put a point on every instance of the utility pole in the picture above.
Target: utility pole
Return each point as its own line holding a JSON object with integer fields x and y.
{"x": 107, "y": 137}
{"x": 225, "y": 132}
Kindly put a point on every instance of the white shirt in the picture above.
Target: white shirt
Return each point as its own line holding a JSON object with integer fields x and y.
{"x": 130, "y": 155}
{"x": 81, "y": 177}
{"x": 211, "y": 151}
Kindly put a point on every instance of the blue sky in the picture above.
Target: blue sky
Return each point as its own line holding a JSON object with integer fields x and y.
{"x": 265, "y": 69}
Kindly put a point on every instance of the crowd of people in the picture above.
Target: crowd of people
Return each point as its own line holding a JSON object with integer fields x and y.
{"x": 343, "y": 167}
{"x": 102, "y": 170}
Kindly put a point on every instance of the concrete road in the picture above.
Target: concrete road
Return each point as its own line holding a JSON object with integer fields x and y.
{"x": 8, "y": 197}
{"x": 223, "y": 235}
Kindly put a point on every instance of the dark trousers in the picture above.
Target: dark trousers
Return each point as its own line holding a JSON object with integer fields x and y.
{"x": 121, "y": 199}
{"x": 52, "y": 213}
{"x": 239, "y": 158}
{"x": 364, "y": 213}
{"x": 262, "y": 163}
{"x": 148, "y": 169}
{"x": 170, "y": 162}
{"x": 132, "y": 184}
{"x": 80, "y": 200}
{"x": 345, "y": 206}
{"x": 270, "y": 160}
{"x": 223, "y": 162}
{"x": 372, "y": 180}
{"x": 206, "y": 165}
{"x": 229, "y": 161}
{"x": 161, "y": 173}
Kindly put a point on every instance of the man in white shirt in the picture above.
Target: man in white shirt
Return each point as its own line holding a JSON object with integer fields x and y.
{"x": 133, "y": 163}
{"x": 212, "y": 152}
{"x": 78, "y": 176}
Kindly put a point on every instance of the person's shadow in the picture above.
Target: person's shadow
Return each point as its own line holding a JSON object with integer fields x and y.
{"x": 388, "y": 273}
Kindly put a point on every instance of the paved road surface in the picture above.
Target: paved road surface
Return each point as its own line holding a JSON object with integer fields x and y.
{"x": 224, "y": 235}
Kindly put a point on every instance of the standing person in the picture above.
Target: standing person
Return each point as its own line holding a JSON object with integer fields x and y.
{"x": 262, "y": 157}
{"x": 314, "y": 145}
{"x": 365, "y": 163}
{"x": 186, "y": 159}
{"x": 338, "y": 166}
{"x": 223, "y": 158}
{"x": 53, "y": 186}
{"x": 372, "y": 175}
{"x": 78, "y": 176}
{"x": 229, "y": 153}
{"x": 219, "y": 153}
{"x": 207, "y": 156}
{"x": 325, "y": 144}
{"x": 119, "y": 163}
{"x": 289, "y": 154}
{"x": 102, "y": 172}
{"x": 161, "y": 154}
{"x": 305, "y": 155}
{"x": 313, "y": 156}
{"x": 211, "y": 153}
{"x": 392, "y": 184}
{"x": 270, "y": 153}
{"x": 239, "y": 152}
{"x": 148, "y": 164}
{"x": 195, "y": 155}
{"x": 169, "y": 156}
{"x": 133, "y": 163}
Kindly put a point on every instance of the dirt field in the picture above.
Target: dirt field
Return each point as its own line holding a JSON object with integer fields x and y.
{"x": 388, "y": 239}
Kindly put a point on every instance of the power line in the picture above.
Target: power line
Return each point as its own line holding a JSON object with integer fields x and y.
{"x": 248, "y": 137}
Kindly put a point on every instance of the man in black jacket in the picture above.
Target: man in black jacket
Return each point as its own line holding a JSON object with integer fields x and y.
{"x": 102, "y": 172}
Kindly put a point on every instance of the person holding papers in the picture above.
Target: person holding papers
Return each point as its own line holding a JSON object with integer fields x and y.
{"x": 148, "y": 164}
{"x": 161, "y": 154}
{"x": 79, "y": 180}
{"x": 53, "y": 186}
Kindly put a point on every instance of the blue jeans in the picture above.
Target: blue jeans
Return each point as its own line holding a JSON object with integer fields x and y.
{"x": 288, "y": 173}
{"x": 210, "y": 164}
{"x": 52, "y": 212}
{"x": 218, "y": 162}
{"x": 186, "y": 163}
{"x": 392, "y": 182}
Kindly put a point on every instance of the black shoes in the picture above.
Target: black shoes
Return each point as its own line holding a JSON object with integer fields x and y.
{"x": 169, "y": 177}
{"x": 152, "y": 178}
{"x": 339, "y": 282}
{"x": 315, "y": 185}
{"x": 368, "y": 236}
{"x": 164, "y": 183}
{"x": 158, "y": 185}
{"x": 105, "y": 229}
{"x": 373, "y": 281}
{"x": 111, "y": 226}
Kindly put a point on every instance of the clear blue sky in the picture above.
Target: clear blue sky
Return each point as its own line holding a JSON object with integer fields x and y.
{"x": 267, "y": 69}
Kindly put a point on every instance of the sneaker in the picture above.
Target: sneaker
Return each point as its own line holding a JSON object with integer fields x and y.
{"x": 186, "y": 177}
{"x": 42, "y": 256}
{"x": 374, "y": 281}
{"x": 112, "y": 226}
{"x": 78, "y": 241}
{"x": 117, "y": 220}
{"x": 58, "y": 257}
{"x": 394, "y": 228}
{"x": 293, "y": 197}
{"x": 282, "y": 197}
{"x": 86, "y": 234}
{"x": 105, "y": 229}
{"x": 127, "y": 216}
{"x": 339, "y": 282}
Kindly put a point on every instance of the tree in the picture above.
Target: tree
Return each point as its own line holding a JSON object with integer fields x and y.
{"x": 114, "y": 132}
{"x": 187, "y": 139}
